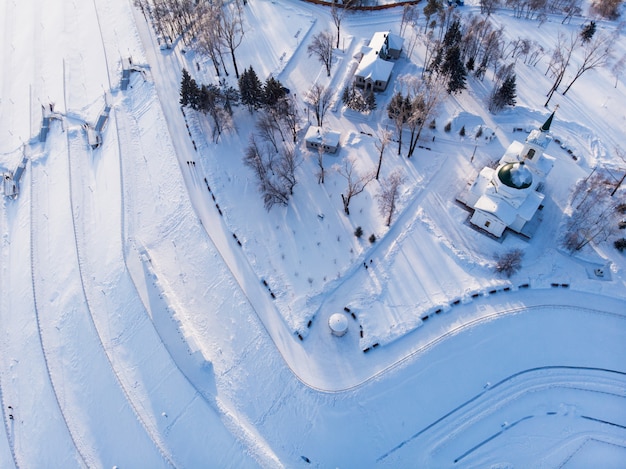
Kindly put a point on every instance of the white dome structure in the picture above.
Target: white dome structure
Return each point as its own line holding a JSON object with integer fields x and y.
{"x": 338, "y": 324}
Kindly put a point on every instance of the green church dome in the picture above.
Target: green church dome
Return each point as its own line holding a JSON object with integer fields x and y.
{"x": 515, "y": 175}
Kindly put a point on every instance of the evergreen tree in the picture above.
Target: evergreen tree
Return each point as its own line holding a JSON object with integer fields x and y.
{"x": 273, "y": 92}
{"x": 370, "y": 101}
{"x": 455, "y": 70}
{"x": 250, "y": 89}
{"x": 230, "y": 96}
{"x": 504, "y": 95}
{"x": 508, "y": 91}
{"x": 189, "y": 90}
{"x": 470, "y": 64}
{"x": 588, "y": 31}
{"x": 453, "y": 35}
{"x": 397, "y": 108}
{"x": 346, "y": 96}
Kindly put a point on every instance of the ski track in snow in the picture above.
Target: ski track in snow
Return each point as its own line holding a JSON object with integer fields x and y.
{"x": 121, "y": 369}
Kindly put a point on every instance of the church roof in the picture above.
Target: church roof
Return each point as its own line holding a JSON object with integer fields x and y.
{"x": 546, "y": 125}
{"x": 515, "y": 175}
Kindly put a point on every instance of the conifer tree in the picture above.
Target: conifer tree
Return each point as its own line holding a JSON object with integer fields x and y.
{"x": 588, "y": 31}
{"x": 455, "y": 70}
{"x": 188, "y": 90}
{"x": 507, "y": 91}
{"x": 273, "y": 92}
{"x": 250, "y": 89}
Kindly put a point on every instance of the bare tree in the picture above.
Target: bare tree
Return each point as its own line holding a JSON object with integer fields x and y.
{"x": 618, "y": 68}
{"x": 410, "y": 15}
{"x": 319, "y": 97}
{"x": 356, "y": 183}
{"x": 432, "y": 46}
{"x": 208, "y": 40}
{"x": 571, "y": 8}
{"x": 428, "y": 95}
{"x": 320, "y": 164}
{"x": 289, "y": 115}
{"x": 509, "y": 263}
{"x": 274, "y": 188}
{"x": 388, "y": 195}
{"x": 322, "y": 47}
{"x": 338, "y": 12}
{"x": 267, "y": 127}
{"x": 286, "y": 168}
{"x": 592, "y": 213}
{"x": 399, "y": 110}
{"x": 606, "y": 8}
{"x": 384, "y": 138}
{"x": 561, "y": 56}
{"x": 432, "y": 8}
{"x": 488, "y": 6}
{"x": 231, "y": 29}
{"x": 596, "y": 52}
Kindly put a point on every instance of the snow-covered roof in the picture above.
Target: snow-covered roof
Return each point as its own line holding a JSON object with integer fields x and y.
{"x": 379, "y": 38}
{"x": 395, "y": 42}
{"x": 378, "y": 41}
{"x": 515, "y": 175}
{"x": 374, "y": 68}
{"x": 541, "y": 165}
{"x": 338, "y": 324}
{"x": 539, "y": 137}
{"x": 322, "y": 136}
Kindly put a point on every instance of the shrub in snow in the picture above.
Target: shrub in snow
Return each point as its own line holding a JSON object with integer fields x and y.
{"x": 620, "y": 244}
{"x": 358, "y": 101}
{"x": 509, "y": 262}
{"x": 372, "y": 238}
{"x": 462, "y": 131}
{"x": 448, "y": 127}
{"x": 358, "y": 232}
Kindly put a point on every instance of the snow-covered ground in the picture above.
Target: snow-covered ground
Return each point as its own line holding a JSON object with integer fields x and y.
{"x": 137, "y": 331}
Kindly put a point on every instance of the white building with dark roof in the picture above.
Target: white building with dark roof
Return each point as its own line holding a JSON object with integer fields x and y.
{"x": 509, "y": 196}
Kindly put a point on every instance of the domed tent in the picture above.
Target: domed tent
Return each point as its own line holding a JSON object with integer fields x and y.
{"x": 338, "y": 324}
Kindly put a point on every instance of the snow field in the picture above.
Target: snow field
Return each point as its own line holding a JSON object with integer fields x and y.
{"x": 152, "y": 339}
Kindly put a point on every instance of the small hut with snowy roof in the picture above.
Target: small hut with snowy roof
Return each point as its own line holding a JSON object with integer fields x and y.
{"x": 317, "y": 139}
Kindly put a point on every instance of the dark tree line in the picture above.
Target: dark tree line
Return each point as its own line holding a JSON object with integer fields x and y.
{"x": 213, "y": 28}
{"x": 209, "y": 99}
{"x": 447, "y": 60}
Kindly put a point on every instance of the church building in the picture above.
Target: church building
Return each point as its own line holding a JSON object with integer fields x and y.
{"x": 510, "y": 195}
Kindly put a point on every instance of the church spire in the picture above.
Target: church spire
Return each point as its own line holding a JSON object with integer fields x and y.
{"x": 546, "y": 125}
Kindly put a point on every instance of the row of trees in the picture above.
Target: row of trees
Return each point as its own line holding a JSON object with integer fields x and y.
{"x": 595, "y": 208}
{"x": 595, "y": 49}
{"x": 539, "y": 9}
{"x": 214, "y": 28}
{"x": 209, "y": 99}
